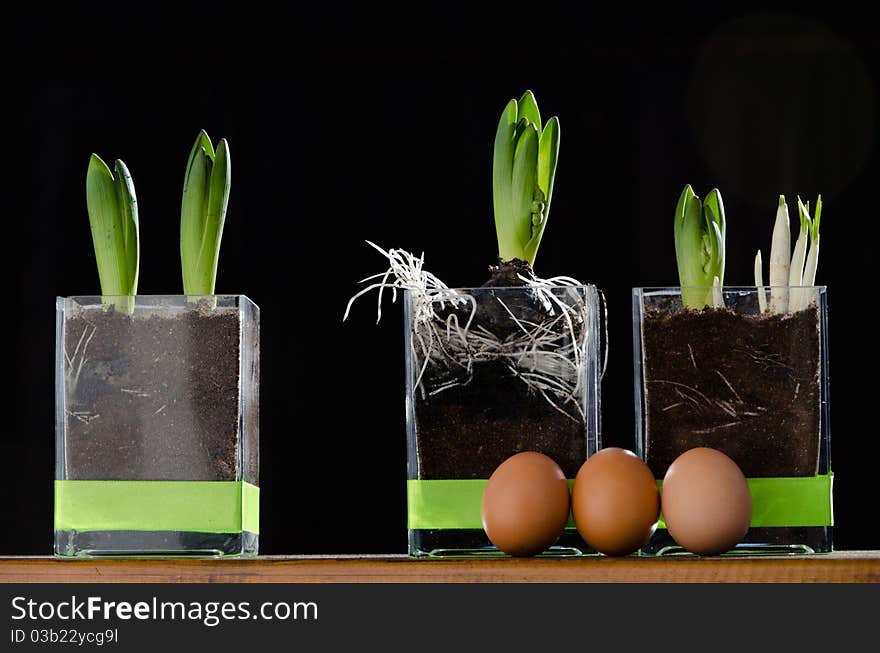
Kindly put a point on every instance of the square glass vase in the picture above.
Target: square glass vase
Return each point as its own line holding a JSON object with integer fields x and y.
{"x": 157, "y": 426}
{"x": 491, "y": 372}
{"x": 747, "y": 375}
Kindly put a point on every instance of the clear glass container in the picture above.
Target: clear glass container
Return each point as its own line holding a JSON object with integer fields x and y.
{"x": 157, "y": 426}
{"x": 750, "y": 378}
{"x": 491, "y": 372}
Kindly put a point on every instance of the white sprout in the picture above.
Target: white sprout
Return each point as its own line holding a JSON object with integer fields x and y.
{"x": 780, "y": 259}
{"x": 759, "y": 282}
{"x": 717, "y": 294}
{"x": 792, "y": 274}
{"x": 812, "y": 260}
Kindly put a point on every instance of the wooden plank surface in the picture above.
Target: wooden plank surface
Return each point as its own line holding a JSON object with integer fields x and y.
{"x": 849, "y": 566}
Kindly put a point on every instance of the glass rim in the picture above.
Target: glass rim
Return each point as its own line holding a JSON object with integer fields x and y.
{"x": 147, "y": 302}
{"x": 584, "y": 286}
{"x": 671, "y": 290}
{"x": 156, "y": 296}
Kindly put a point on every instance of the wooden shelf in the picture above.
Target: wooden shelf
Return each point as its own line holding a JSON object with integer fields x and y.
{"x": 838, "y": 567}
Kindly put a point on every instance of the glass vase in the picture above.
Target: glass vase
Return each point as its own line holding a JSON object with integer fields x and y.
{"x": 491, "y": 372}
{"x": 747, "y": 375}
{"x": 157, "y": 426}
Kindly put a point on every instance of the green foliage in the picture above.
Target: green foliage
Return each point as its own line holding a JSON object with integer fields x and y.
{"x": 524, "y": 168}
{"x": 206, "y": 187}
{"x": 113, "y": 217}
{"x": 700, "y": 231}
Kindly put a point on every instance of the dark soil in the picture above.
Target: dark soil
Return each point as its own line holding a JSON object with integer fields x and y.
{"x": 157, "y": 397}
{"x": 746, "y": 385}
{"x": 468, "y": 430}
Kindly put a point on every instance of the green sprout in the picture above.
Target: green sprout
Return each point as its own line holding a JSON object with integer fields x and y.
{"x": 113, "y": 217}
{"x": 524, "y": 166}
{"x": 813, "y": 253}
{"x": 700, "y": 230}
{"x": 202, "y": 213}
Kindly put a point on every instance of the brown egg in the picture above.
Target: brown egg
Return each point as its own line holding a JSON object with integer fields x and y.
{"x": 525, "y": 504}
{"x": 706, "y": 501}
{"x": 615, "y": 502}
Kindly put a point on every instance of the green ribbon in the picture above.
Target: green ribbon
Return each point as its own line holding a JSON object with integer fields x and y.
{"x": 788, "y": 501}
{"x": 447, "y": 504}
{"x": 195, "y": 506}
{"x": 781, "y": 501}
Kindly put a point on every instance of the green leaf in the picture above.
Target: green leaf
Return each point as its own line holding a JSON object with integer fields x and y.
{"x": 714, "y": 207}
{"x": 711, "y": 241}
{"x": 713, "y": 201}
{"x": 699, "y": 246}
{"x": 206, "y": 188}
{"x": 203, "y": 144}
{"x": 528, "y": 108}
{"x": 192, "y": 217}
{"x": 806, "y": 224}
{"x": 130, "y": 229}
{"x": 813, "y": 253}
{"x": 113, "y": 218}
{"x": 519, "y": 129}
{"x": 548, "y": 155}
{"x": 502, "y": 174}
{"x": 685, "y": 231}
{"x": 523, "y": 184}
{"x": 218, "y": 200}
{"x": 524, "y": 169}
{"x": 681, "y": 208}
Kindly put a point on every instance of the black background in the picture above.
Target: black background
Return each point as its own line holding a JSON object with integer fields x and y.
{"x": 378, "y": 124}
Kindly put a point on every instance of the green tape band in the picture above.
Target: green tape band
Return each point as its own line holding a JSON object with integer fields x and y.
{"x": 455, "y": 504}
{"x": 195, "y": 506}
{"x": 447, "y": 504}
{"x": 788, "y": 501}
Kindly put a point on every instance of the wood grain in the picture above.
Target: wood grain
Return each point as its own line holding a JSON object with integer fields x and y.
{"x": 839, "y": 567}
